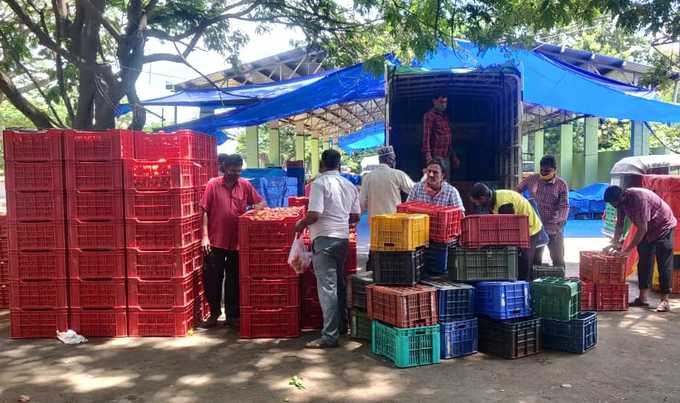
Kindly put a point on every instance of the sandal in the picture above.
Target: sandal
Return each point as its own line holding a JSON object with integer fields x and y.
{"x": 639, "y": 303}
{"x": 663, "y": 306}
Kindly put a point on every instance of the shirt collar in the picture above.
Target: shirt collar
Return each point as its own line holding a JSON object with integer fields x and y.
{"x": 332, "y": 172}
{"x": 237, "y": 184}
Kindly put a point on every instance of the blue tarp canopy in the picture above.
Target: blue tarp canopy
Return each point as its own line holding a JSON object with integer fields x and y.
{"x": 370, "y": 136}
{"x": 588, "y": 200}
{"x": 547, "y": 81}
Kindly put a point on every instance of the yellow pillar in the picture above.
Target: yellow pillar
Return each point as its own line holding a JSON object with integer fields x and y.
{"x": 299, "y": 147}
{"x": 314, "y": 144}
{"x": 252, "y": 152}
{"x": 274, "y": 146}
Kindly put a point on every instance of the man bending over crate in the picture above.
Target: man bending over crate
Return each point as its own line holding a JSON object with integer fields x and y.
{"x": 655, "y": 227}
{"x": 225, "y": 198}
{"x": 333, "y": 206}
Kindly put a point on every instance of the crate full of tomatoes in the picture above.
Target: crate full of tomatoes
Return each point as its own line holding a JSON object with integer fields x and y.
{"x": 269, "y": 228}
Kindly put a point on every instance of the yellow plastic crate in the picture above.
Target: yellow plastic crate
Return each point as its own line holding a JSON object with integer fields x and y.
{"x": 399, "y": 232}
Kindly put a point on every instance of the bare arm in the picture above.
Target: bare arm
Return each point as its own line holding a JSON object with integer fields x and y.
{"x": 641, "y": 231}
{"x": 310, "y": 218}
{"x": 206, "y": 239}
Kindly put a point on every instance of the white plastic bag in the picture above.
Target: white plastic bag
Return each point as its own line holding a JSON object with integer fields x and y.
{"x": 299, "y": 257}
{"x": 70, "y": 337}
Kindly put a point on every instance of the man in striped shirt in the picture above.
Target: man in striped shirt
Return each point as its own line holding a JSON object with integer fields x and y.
{"x": 434, "y": 189}
{"x": 552, "y": 196}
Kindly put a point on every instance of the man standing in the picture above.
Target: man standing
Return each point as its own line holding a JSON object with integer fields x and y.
{"x": 552, "y": 196}
{"x": 225, "y": 198}
{"x": 511, "y": 202}
{"x": 382, "y": 187}
{"x": 655, "y": 226}
{"x": 437, "y": 136}
{"x": 333, "y": 206}
{"x": 434, "y": 189}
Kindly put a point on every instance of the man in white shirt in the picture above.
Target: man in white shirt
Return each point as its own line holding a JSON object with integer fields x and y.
{"x": 381, "y": 188}
{"x": 333, "y": 206}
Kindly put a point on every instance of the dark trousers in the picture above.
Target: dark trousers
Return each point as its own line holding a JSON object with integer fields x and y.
{"x": 526, "y": 259}
{"x": 221, "y": 263}
{"x": 556, "y": 249}
{"x": 662, "y": 248}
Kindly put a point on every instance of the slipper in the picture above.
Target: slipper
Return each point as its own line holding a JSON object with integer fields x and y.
{"x": 664, "y": 306}
{"x": 639, "y": 303}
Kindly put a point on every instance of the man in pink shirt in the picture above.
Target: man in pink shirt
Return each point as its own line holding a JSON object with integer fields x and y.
{"x": 225, "y": 198}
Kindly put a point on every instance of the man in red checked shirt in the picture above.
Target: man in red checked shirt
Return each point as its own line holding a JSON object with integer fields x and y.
{"x": 225, "y": 198}
{"x": 437, "y": 136}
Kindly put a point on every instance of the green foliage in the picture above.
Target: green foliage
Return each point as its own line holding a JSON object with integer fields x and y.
{"x": 10, "y": 117}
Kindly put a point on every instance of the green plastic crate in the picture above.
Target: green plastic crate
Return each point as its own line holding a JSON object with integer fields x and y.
{"x": 609, "y": 224}
{"x": 361, "y": 325}
{"x": 556, "y": 298}
{"x": 485, "y": 264}
{"x": 406, "y": 347}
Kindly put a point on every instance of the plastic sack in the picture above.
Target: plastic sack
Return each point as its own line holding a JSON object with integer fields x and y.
{"x": 70, "y": 337}
{"x": 299, "y": 257}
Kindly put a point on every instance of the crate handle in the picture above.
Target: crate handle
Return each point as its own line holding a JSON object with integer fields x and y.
{"x": 388, "y": 244}
{"x": 516, "y": 310}
{"x": 462, "y": 326}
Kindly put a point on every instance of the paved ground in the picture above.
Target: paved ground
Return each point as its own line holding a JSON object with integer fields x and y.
{"x": 637, "y": 359}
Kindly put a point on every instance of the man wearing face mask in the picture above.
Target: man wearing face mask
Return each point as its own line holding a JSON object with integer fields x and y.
{"x": 552, "y": 196}
{"x": 225, "y": 198}
{"x": 434, "y": 189}
{"x": 437, "y": 136}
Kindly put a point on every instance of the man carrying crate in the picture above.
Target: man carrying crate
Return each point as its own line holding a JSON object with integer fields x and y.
{"x": 225, "y": 198}
{"x": 655, "y": 227}
{"x": 333, "y": 206}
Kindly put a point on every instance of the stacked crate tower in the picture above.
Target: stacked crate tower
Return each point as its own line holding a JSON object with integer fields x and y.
{"x": 488, "y": 256}
{"x": 96, "y": 230}
{"x": 269, "y": 289}
{"x": 36, "y": 231}
{"x": 403, "y": 313}
{"x": 163, "y": 186}
{"x": 603, "y": 282}
{"x": 4, "y": 266}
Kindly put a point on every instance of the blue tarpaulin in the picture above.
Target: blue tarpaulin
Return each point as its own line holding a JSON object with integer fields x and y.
{"x": 588, "y": 200}
{"x": 546, "y": 82}
{"x": 370, "y": 136}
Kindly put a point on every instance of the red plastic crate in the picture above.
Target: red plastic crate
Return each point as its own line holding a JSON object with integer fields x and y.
{"x": 269, "y": 322}
{"x": 201, "y": 308}
{"x": 351, "y": 261}
{"x": 164, "y": 264}
{"x": 445, "y": 222}
{"x": 44, "y": 145}
{"x": 98, "y": 293}
{"x": 35, "y": 206}
{"x": 100, "y": 322}
{"x": 164, "y": 205}
{"x": 587, "y": 296}
{"x": 183, "y": 144}
{"x": 102, "y": 205}
{"x": 94, "y": 175}
{"x": 4, "y": 272}
{"x": 46, "y": 235}
{"x": 311, "y": 317}
{"x": 495, "y": 230}
{"x": 402, "y": 306}
{"x": 269, "y": 293}
{"x": 96, "y": 264}
{"x": 585, "y": 266}
{"x": 204, "y": 171}
{"x": 37, "y": 265}
{"x": 172, "y": 322}
{"x": 4, "y": 249}
{"x": 163, "y": 235}
{"x": 47, "y": 294}
{"x": 161, "y": 293}
{"x": 602, "y": 268}
{"x": 96, "y": 235}
{"x": 198, "y": 282}
{"x": 611, "y": 297}
{"x": 98, "y": 146}
{"x": 161, "y": 174}
{"x": 4, "y": 296}
{"x": 34, "y": 176}
{"x": 308, "y": 285}
{"x": 268, "y": 233}
{"x": 37, "y": 324}
{"x": 298, "y": 201}
{"x": 265, "y": 263}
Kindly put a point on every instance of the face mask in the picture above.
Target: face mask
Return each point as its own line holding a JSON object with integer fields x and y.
{"x": 548, "y": 177}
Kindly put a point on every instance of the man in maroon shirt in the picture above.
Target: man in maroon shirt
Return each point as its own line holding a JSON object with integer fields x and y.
{"x": 655, "y": 227}
{"x": 437, "y": 136}
{"x": 552, "y": 197}
{"x": 225, "y": 198}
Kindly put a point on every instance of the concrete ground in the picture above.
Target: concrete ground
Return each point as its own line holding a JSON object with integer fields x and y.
{"x": 637, "y": 359}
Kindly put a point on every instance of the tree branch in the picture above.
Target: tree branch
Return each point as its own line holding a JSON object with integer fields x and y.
{"x": 35, "y": 115}
{"x": 106, "y": 23}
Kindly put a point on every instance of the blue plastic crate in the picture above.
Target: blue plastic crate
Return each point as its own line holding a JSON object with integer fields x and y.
{"x": 274, "y": 190}
{"x": 298, "y": 173}
{"x": 573, "y": 336}
{"x": 436, "y": 258}
{"x": 503, "y": 299}
{"x": 455, "y": 301}
{"x": 458, "y": 338}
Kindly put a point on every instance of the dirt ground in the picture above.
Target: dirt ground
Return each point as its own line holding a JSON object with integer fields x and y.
{"x": 637, "y": 359}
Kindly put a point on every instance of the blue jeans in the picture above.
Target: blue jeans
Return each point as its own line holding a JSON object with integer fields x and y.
{"x": 328, "y": 260}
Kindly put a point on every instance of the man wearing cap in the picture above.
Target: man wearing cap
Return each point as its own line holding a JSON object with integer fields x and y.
{"x": 381, "y": 188}
{"x": 437, "y": 136}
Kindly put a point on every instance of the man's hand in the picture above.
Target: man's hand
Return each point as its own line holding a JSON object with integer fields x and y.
{"x": 205, "y": 243}
{"x": 300, "y": 226}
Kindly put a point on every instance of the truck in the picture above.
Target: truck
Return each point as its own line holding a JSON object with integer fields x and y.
{"x": 485, "y": 110}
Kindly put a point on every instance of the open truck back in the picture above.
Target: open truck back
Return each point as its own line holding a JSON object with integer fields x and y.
{"x": 484, "y": 108}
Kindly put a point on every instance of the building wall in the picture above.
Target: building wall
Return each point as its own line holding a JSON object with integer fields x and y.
{"x": 606, "y": 160}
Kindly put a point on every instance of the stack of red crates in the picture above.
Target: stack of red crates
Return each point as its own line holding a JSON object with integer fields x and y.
{"x": 269, "y": 289}
{"x": 495, "y": 230}
{"x": 36, "y": 232}
{"x": 96, "y": 230}
{"x": 163, "y": 186}
{"x": 603, "y": 278}
{"x": 4, "y": 266}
